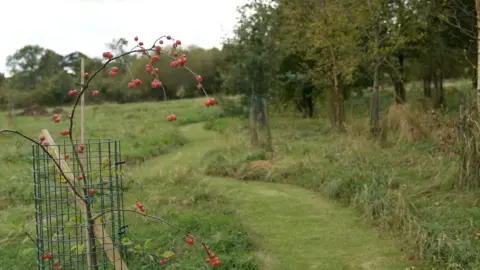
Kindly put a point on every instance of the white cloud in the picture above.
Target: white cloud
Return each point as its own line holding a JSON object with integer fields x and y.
{"x": 74, "y": 25}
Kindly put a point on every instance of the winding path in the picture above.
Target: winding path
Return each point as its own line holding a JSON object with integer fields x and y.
{"x": 296, "y": 228}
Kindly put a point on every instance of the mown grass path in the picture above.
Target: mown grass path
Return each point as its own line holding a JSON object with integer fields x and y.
{"x": 295, "y": 228}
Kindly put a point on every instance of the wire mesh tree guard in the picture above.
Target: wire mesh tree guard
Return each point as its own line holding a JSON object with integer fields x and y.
{"x": 61, "y": 226}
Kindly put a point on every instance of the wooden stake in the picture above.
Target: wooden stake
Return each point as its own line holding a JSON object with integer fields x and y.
{"x": 100, "y": 233}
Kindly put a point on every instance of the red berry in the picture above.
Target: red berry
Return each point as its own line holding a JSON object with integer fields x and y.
{"x": 59, "y": 268}
{"x": 47, "y": 256}
{"x": 178, "y": 42}
{"x": 156, "y": 84}
{"x": 160, "y": 42}
{"x": 46, "y": 143}
{"x": 67, "y": 156}
{"x": 207, "y": 260}
{"x": 154, "y": 59}
{"x": 131, "y": 85}
{"x": 199, "y": 86}
{"x": 42, "y": 138}
{"x": 55, "y": 263}
{"x": 190, "y": 240}
{"x": 174, "y": 45}
{"x": 137, "y": 82}
{"x": 213, "y": 255}
{"x": 175, "y": 54}
{"x": 169, "y": 37}
{"x": 163, "y": 262}
{"x": 207, "y": 103}
{"x": 171, "y": 117}
{"x": 115, "y": 69}
{"x": 108, "y": 55}
{"x": 80, "y": 177}
{"x": 140, "y": 43}
{"x": 215, "y": 263}
{"x": 213, "y": 101}
{"x": 112, "y": 73}
{"x": 95, "y": 93}
{"x": 158, "y": 48}
{"x": 199, "y": 78}
{"x": 91, "y": 192}
{"x": 135, "y": 38}
{"x": 57, "y": 120}
{"x": 85, "y": 74}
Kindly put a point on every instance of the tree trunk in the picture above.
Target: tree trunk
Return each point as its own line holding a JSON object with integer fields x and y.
{"x": 338, "y": 115}
{"x": 307, "y": 101}
{"x": 375, "y": 108}
{"x": 253, "y": 121}
{"x": 399, "y": 84}
{"x": 375, "y": 105}
{"x": 438, "y": 97}
{"x": 427, "y": 86}
{"x": 268, "y": 130}
{"x": 474, "y": 78}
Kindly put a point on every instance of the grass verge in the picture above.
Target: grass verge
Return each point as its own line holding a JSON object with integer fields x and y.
{"x": 405, "y": 190}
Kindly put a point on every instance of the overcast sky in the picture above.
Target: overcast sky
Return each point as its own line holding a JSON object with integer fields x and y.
{"x": 86, "y": 25}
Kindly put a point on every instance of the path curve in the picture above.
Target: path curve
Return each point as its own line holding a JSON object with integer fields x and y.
{"x": 295, "y": 228}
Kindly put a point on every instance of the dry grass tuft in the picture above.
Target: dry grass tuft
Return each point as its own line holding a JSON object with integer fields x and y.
{"x": 407, "y": 123}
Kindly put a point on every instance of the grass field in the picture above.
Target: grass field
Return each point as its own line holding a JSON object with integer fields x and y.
{"x": 195, "y": 173}
{"x": 250, "y": 226}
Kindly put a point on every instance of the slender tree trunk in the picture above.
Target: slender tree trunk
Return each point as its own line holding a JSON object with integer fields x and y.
{"x": 399, "y": 84}
{"x": 375, "y": 108}
{"x": 427, "y": 86}
{"x": 253, "y": 121}
{"x": 268, "y": 143}
{"x": 337, "y": 94}
{"x": 437, "y": 99}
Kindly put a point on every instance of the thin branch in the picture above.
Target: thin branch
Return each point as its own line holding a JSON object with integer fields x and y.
{"x": 168, "y": 223}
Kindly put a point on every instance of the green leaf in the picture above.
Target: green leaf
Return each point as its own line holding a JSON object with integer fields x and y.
{"x": 146, "y": 245}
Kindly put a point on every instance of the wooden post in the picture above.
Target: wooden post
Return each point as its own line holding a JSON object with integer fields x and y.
{"x": 100, "y": 233}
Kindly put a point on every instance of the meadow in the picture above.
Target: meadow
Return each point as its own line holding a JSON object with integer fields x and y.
{"x": 320, "y": 200}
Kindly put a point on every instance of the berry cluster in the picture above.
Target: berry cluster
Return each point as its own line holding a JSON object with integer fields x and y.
{"x": 48, "y": 257}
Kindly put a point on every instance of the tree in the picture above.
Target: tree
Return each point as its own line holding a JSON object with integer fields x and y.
{"x": 24, "y": 65}
{"x": 326, "y": 33}
{"x": 255, "y": 63}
